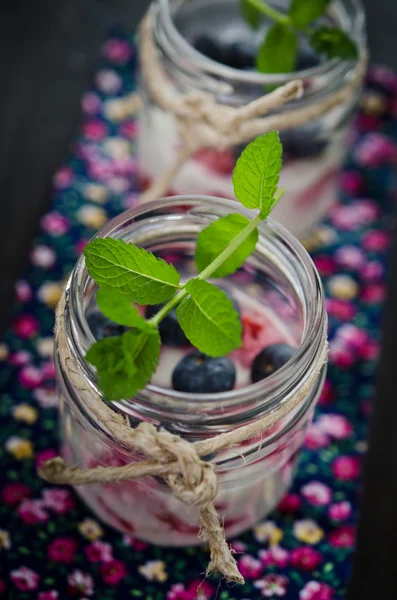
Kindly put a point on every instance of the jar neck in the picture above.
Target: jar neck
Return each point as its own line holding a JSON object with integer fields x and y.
{"x": 178, "y": 221}
{"x": 191, "y": 70}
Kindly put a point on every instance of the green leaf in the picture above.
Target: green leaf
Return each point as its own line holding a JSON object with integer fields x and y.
{"x": 251, "y": 14}
{"x": 132, "y": 271}
{"x": 278, "y": 51}
{"x": 217, "y": 236}
{"x": 125, "y": 363}
{"x": 209, "y": 319}
{"x": 304, "y": 12}
{"x": 257, "y": 173}
{"x": 333, "y": 42}
{"x": 119, "y": 309}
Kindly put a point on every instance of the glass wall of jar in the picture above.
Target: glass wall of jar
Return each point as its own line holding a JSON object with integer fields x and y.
{"x": 313, "y": 152}
{"x": 280, "y": 299}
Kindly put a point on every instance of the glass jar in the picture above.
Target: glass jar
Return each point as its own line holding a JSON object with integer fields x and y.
{"x": 254, "y": 475}
{"x": 313, "y": 152}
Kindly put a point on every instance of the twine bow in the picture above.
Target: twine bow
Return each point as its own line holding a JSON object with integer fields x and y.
{"x": 177, "y": 461}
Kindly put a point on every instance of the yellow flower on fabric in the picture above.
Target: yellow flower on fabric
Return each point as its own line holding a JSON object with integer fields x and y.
{"x": 3, "y": 351}
{"x": 90, "y": 529}
{"x": 92, "y": 216}
{"x": 5, "y": 542}
{"x": 343, "y": 287}
{"x": 115, "y": 110}
{"x": 308, "y": 531}
{"x": 96, "y": 193}
{"x": 116, "y": 147}
{"x": 19, "y": 447}
{"x": 268, "y": 532}
{"x": 45, "y": 346}
{"x": 154, "y": 570}
{"x": 49, "y": 293}
{"x": 25, "y": 413}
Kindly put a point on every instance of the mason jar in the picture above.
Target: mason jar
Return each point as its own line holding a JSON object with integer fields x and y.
{"x": 313, "y": 152}
{"x": 280, "y": 298}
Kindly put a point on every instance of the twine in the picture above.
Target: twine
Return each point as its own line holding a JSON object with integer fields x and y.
{"x": 203, "y": 123}
{"x": 191, "y": 479}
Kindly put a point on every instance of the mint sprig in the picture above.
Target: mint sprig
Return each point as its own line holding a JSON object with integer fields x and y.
{"x": 279, "y": 49}
{"x": 128, "y": 274}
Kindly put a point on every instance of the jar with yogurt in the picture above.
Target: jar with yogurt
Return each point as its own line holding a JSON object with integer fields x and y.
{"x": 279, "y": 296}
{"x": 206, "y": 46}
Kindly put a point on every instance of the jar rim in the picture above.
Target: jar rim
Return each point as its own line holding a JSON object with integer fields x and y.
{"x": 335, "y": 68}
{"x": 274, "y": 387}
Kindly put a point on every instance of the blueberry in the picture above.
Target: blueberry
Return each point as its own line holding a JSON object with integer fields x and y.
{"x": 170, "y": 331}
{"x": 240, "y": 55}
{"x": 302, "y": 143}
{"x": 197, "y": 373}
{"x": 307, "y": 59}
{"x": 101, "y": 327}
{"x": 269, "y": 360}
{"x": 210, "y": 47}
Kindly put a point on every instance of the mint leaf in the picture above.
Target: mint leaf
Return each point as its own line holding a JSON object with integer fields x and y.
{"x": 209, "y": 319}
{"x": 277, "y": 54}
{"x": 217, "y": 236}
{"x": 304, "y": 12}
{"x": 119, "y": 309}
{"x": 334, "y": 43}
{"x": 257, "y": 172}
{"x": 131, "y": 271}
{"x": 251, "y": 14}
{"x": 125, "y": 363}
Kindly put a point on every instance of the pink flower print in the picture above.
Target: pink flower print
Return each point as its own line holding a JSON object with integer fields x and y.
{"x": 340, "y": 511}
{"x": 352, "y": 182}
{"x": 62, "y": 550}
{"x": 200, "y": 590}
{"x": 23, "y": 291}
{"x": 117, "y": 51}
{"x": 25, "y": 579}
{"x": 306, "y": 558}
{"x": 374, "y": 294}
{"x": 32, "y": 512}
{"x": 316, "y": 493}
{"x": 100, "y": 170}
{"x": 95, "y": 130}
{"x": 352, "y": 335}
{"x": 60, "y": 501}
{"x": 26, "y": 326}
{"x": 346, "y": 468}
{"x": 350, "y": 257}
{"x": 290, "y": 504}
{"x": 238, "y": 546}
{"x": 30, "y": 377}
{"x": 359, "y": 213}
{"x": 370, "y": 351}
{"x": 340, "y": 309}
{"x": 178, "y": 592}
{"x": 43, "y": 256}
{"x": 128, "y": 129}
{"x": 340, "y": 354}
{"x": 48, "y": 370}
{"x": 316, "y": 438}
{"x": 343, "y": 537}
{"x": 129, "y": 540}
{"x": 90, "y": 103}
{"x": 108, "y": 81}
{"x": 250, "y": 567}
{"x": 376, "y": 240}
{"x": 80, "y": 245}
{"x": 47, "y": 398}
{"x": 337, "y": 426}
{"x": 113, "y": 572}
{"x": 327, "y": 394}
{"x": 325, "y": 265}
{"x": 63, "y": 178}
{"x": 55, "y": 224}
{"x": 80, "y": 583}
{"x": 367, "y": 122}
{"x": 372, "y": 271}
{"x": 49, "y": 595}
{"x": 130, "y": 200}
{"x": 99, "y": 552}
{"x": 375, "y": 150}
{"x": 20, "y": 358}
{"x": 315, "y": 590}
{"x": 44, "y": 455}
{"x": 272, "y": 586}
{"x": 275, "y": 556}
{"x": 14, "y": 493}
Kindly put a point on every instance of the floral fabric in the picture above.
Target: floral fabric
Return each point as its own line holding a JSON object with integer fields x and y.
{"x": 51, "y": 546}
